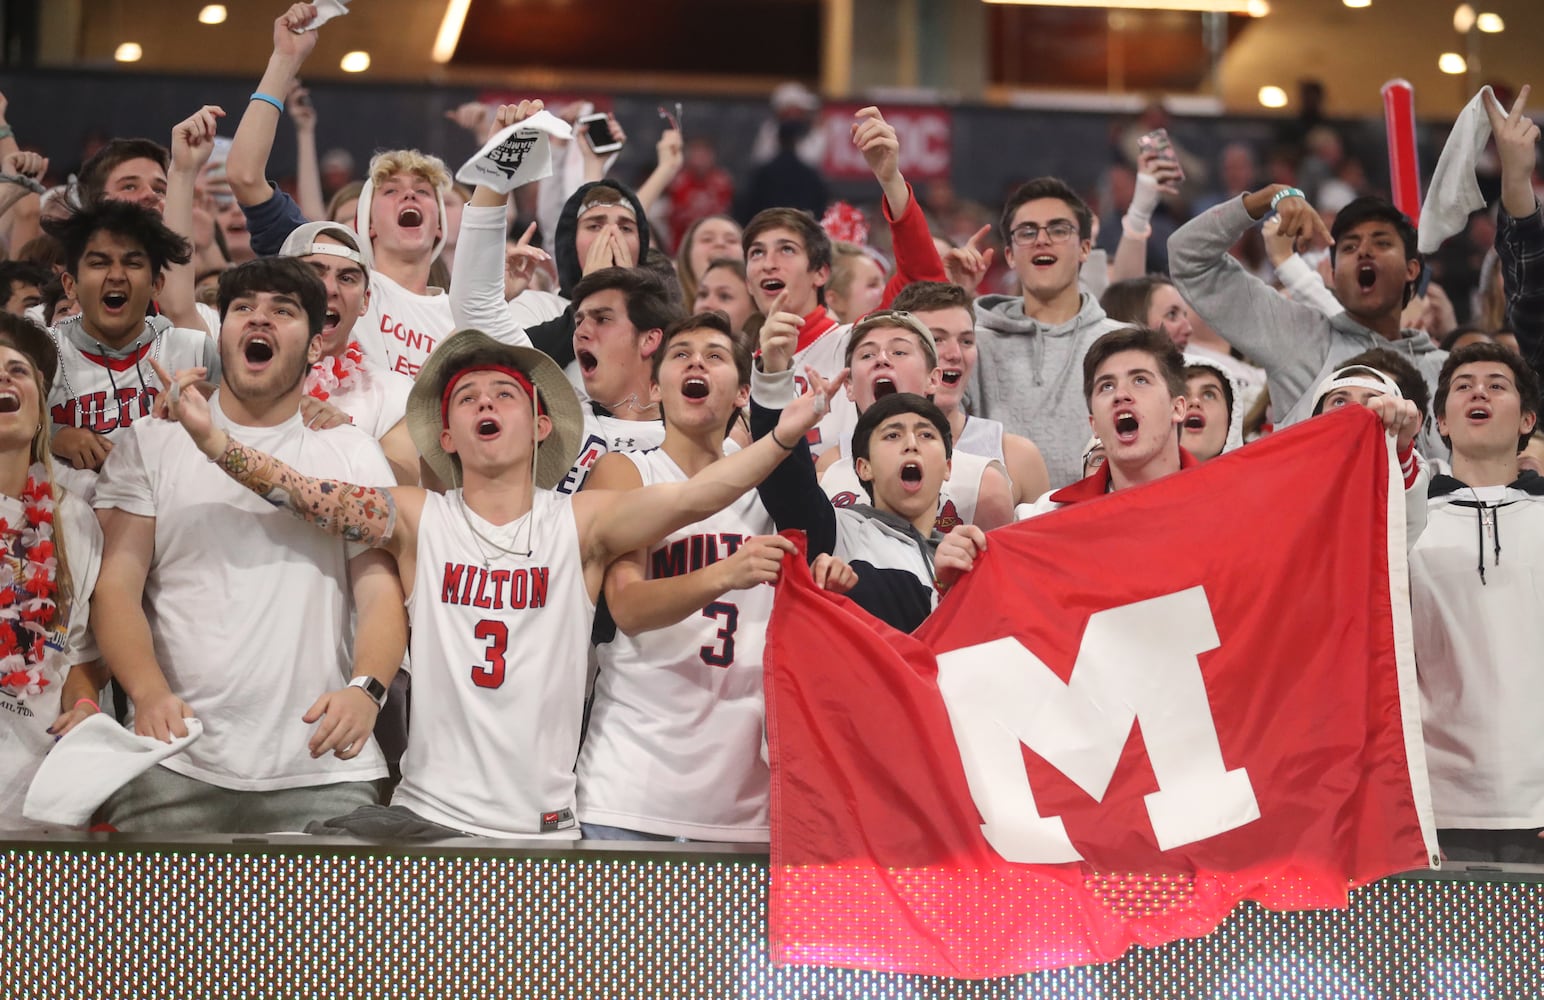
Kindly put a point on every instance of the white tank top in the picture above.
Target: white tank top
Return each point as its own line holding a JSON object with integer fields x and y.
{"x": 956, "y": 500}
{"x": 982, "y": 437}
{"x": 675, "y": 732}
{"x": 498, "y": 658}
{"x": 604, "y": 433}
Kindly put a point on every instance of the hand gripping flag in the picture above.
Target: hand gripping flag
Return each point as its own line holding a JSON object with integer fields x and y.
{"x": 1132, "y": 714}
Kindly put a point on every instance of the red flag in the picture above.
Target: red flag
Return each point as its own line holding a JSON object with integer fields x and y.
{"x": 1132, "y": 714}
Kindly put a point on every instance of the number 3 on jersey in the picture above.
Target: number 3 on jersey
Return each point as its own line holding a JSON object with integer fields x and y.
{"x": 722, "y": 654}
{"x": 496, "y": 635}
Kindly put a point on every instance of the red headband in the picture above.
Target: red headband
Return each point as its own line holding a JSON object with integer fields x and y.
{"x": 514, "y": 373}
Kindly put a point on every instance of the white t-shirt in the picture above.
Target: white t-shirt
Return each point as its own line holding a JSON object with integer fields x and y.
{"x": 400, "y": 327}
{"x": 25, "y": 718}
{"x": 375, "y": 399}
{"x": 499, "y": 653}
{"x": 248, "y": 605}
{"x": 675, "y": 733}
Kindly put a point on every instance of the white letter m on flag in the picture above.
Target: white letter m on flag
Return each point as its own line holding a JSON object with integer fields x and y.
{"x": 1135, "y": 663}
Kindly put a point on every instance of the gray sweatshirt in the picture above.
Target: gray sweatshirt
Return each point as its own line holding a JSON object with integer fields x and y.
{"x": 1029, "y": 376}
{"x": 1296, "y": 344}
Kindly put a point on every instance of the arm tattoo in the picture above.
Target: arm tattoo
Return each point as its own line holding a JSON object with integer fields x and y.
{"x": 355, "y": 513}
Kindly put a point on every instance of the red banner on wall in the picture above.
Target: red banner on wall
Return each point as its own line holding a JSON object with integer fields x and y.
{"x": 926, "y": 135}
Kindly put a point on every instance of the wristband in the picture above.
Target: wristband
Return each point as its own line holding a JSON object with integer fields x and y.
{"x": 786, "y": 447}
{"x": 6, "y": 131}
{"x": 22, "y": 180}
{"x": 87, "y": 701}
{"x": 1139, "y": 214}
{"x": 258, "y": 95}
{"x": 1286, "y": 192}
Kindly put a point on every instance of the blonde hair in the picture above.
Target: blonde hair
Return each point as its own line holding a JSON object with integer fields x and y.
{"x": 410, "y": 161}
{"x": 41, "y": 452}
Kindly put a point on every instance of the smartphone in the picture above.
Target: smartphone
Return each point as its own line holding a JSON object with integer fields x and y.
{"x": 598, "y": 133}
{"x": 1157, "y": 142}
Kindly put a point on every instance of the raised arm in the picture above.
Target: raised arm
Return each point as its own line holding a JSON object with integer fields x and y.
{"x": 1520, "y": 233}
{"x": 247, "y": 165}
{"x": 612, "y": 524}
{"x": 1155, "y": 174}
{"x": 477, "y": 275}
{"x": 1244, "y": 310}
{"x": 308, "y": 166}
{"x": 916, "y": 258}
{"x": 192, "y": 142}
{"x": 670, "y": 157}
{"x": 367, "y": 515}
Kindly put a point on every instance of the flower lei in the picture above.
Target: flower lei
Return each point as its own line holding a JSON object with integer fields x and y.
{"x": 339, "y": 374}
{"x": 28, "y": 581}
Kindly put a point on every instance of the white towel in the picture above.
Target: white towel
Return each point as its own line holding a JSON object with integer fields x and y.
{"x": 516, "y": 155}
{"x": 92, "y": 761}
{"x": 326, "y": 10}
{"x": 1454, "y": 193}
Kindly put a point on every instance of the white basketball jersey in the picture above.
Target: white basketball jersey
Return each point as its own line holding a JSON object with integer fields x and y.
{"x": 104, "y": 391}
{"x": 498, "y": 654}
{"x": 604, "y": 433}
{"x": 827, "y": 356}
{"x": 981, "y": 437}
{"x": 674, "y": 740}
{"x": 956, "y": 499}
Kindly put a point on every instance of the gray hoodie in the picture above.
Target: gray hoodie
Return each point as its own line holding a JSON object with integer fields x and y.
{"x": 1029, "y": 376}
{"x": 1296, "y": 344}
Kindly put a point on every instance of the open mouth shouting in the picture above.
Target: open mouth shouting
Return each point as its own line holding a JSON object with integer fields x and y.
{"x": 588, "y": 362}
{"x": 114, "y": 302}
{"x": 10, "y": 400}
{"x": 1043, "y": 259}
{"x": 950, "y": 376}
{"x": 488, "y": 428}
{"x": 695, "y": 387}
{"x": 258, "y": 351}
{"x": 410, "y": 217}
{"x": 1366, "y": 275}
{"x": 1477, "y": 414}
{"x": 330, "y": 322}
{"x": 911, "y": 476}
{"x": 1195, "y": 421}
{"x": 1126, "y": 426}
{"x": 884, "y": 385}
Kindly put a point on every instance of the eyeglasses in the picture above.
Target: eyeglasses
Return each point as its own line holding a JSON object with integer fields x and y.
{"x": 1056, "y": 232}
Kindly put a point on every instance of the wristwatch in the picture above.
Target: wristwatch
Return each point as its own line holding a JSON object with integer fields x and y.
{"x": 372, "y": 687}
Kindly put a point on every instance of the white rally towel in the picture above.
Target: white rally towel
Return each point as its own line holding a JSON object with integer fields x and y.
{"x": 1454, "y": 193}
{"x": 92, "y": 761}
{"x": 326, "y": 10}
{"x": 517, "y": 155}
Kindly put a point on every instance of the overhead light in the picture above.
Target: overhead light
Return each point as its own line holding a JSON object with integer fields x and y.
{"x": 128, "y": 52}
{"x": 212, "y": 14}
{"x": 1357, "y": 3}
{"x": 450, "y": 30}
{"x": 1452, "y": 63}
{"x": 1491, "y": 24}
{"x": 355, "y": 62}
{"x": 1463, "y": 18}
{"x": 1273, "y": 97}
{"x": 1254, "y": 8}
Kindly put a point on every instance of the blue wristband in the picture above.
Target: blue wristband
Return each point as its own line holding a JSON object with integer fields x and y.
{"x": 279, "y": 105}
{"x": 1286, "y": 192}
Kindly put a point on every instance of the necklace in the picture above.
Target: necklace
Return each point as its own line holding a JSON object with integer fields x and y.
{"x": 480, "y": 538}
{"x": 339, "y": 374}
{"x": 28, "y": 581}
